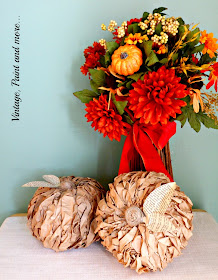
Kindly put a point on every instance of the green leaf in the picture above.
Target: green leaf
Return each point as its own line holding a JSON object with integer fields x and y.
{"x": 191, "y": 35}
{"x": 107, "y": 59}
{"x": 158, "y": 28}
{"x": 85, "y": 95}
{"x": 163, "y": 61}
{"x": 206, "y": 59}
{"x": 94, "y": 86}
{"x": 148, "y": 69}
{"x": 111, "y": 46}
{"x": 182, "y": 118}
{"x": 147, "y": 45}
{"x": 206, "y": 120}
{"x": 152, "y": 59}
{"x": 145, "y": 15}
{"x": 135, "y": 76}
{"x": 174, "y": 57}
{"x": 159, "y": 10}
{"x": 187, "y": 100}
{"x": 181, "y": 21}
{"x": 181, "y": 30}
{"x": 183, "y": 121}
{"x": 98, "y": 76}
{"x": 122, "y": 84}
{"x": 143, "y": 76}
{"x": 128, "y": 84}
{"x": 102, "y": 61}
{"x": 133, "y": 28}
{"x": 188, "y": 113}
{"x": 120, "y": 105}
{"x": 128, "y": 119}
{"x": 193, "y": 121}
{"x": 122, "y": 41}
{"x": 198, "y": 49}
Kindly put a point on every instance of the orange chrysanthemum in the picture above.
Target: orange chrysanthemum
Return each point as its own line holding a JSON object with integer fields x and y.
{"x": 210, "y": 45}
{"x": 156, "y": 98}
{"x": 106, "y": 121}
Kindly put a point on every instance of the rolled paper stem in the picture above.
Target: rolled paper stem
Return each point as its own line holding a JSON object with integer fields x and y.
{"x": 134, "y": 216}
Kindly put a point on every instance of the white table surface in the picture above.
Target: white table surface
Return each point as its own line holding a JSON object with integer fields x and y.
{"x": 24, "y": 257}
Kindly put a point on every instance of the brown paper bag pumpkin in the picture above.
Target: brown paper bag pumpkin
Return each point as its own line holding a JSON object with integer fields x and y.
{"x": 144, "y": 221}
{"x": 62, "y": 211}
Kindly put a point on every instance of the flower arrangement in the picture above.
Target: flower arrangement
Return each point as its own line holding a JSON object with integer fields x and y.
{"x": 150, "y": 75}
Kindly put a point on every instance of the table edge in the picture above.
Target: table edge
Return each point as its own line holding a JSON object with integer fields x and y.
{"x": 24, "y": 214}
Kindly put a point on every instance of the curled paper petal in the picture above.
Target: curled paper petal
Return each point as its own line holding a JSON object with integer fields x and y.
{"x": 152, "y": 240}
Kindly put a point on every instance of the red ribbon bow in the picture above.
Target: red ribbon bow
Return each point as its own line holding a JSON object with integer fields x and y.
{"x": 141, "y": 140}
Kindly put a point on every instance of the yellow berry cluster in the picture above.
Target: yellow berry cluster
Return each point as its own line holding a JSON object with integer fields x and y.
{"x": 160, "y": 40}
{"x": 103, "y": 26}
{"x": 111, "y": 27}
{"x": 120, "y": 32}
{"x": 151, "y": 22}
{"x": 102, "y": 42}
{"x": 171, "y": 26}
{"x": 143, "y": 25}
{"x": 124, "y": 24}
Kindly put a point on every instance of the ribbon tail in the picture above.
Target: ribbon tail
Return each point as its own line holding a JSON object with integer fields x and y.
{"x": 128, "y": 150}
{"x": 151, "y": 159}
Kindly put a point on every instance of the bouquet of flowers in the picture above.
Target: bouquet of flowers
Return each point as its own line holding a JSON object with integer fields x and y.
{"x": 150, "y": 75}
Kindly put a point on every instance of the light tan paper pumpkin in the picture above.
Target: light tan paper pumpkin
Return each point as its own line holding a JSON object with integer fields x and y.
{"x": 62, "y": 211}
{"x": 144, "y": 221}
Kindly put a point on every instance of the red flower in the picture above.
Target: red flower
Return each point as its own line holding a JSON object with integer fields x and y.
{"x": 213, "y": 77}
{"x": 97, "y": 48}
{"x": 116, "y": 38}
{"x": 92, "y": 55}
{"x": 115, "y": 33}
{"x": 194, "y": 59}
{"x": 108, "y": 122}
{"x": 154, "y": 100}
{"x": 133, "y": 20}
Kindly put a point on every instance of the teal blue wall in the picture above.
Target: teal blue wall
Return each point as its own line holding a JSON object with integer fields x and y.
{"x": 52, "y": 136}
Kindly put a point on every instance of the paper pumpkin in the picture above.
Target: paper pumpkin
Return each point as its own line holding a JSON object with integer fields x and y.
{"x": 62, "y": 211}
{"x": 144, "y": 221}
